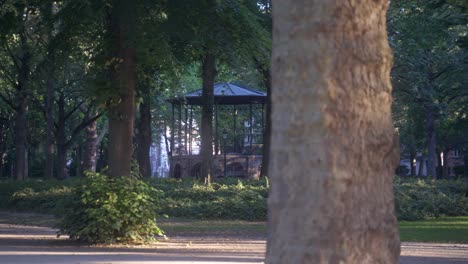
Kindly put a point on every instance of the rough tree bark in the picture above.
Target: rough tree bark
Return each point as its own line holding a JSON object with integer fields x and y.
{"x": 431, "y": 144}
{"x": 123, "y": 78}
{"x": 62, "y": 171}
{"x": 49, "y": 143}
{"x": 206, "y": 151}
{"x": 90, "y": 148}
{"x": 333, "y": 148}
{"x": 144, "y": 139}
{"x": 267, "y": 132}
{"x": 21, "y": 121}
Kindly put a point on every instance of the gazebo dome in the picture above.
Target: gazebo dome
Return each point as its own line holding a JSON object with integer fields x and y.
{"x": 225, "y": 93}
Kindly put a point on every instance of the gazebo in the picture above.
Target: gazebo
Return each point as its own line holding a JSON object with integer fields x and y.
{"x": 239, "y": 125}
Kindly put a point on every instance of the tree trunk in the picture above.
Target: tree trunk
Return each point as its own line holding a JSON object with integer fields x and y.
{"x": 123, "y": 77}
{"x": 267, "y": 132}
{"x": 62, "y": 172}
{"x": 3, "y": 145}
{"x": 90, "y": 148}
{"x": 49, "y": 143}
{"x": 421, "y": 166}
{"x": 206, "y": 151}
{"x": 412, "y": 164}
{"x": 21, "y": 138}
{"x": 144, "y": 139}
{"x": 445, "y": 168}
{"x": 78, "y": 162}
{"x": 21, "y": 122}
{"x": 333, "y": 146}
{"x": 102, "y": 159}
{"x": 431, "y": 144}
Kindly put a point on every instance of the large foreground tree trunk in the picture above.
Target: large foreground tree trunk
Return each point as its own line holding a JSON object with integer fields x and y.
{"x": 333, "y": 147}
{"x": 144, "y": 139}
{"x": 209, "y": 73}
{"x": 123, "y": 75}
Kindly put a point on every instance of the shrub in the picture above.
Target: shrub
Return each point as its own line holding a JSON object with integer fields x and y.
{"x": 111, "y": 210}
{"x": 229, "y": 198}
{"x": 223, "y": 199}
{"x": 36, "y": 195}
{"x": 417, "y": 199}
{"x": 459, "y": 170}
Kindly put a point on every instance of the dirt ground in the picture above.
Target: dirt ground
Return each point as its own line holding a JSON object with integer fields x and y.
{"x": 33, "y": 245}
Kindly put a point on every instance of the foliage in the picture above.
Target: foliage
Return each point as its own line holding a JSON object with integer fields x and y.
{"x": 429, "y": 73}
{"x": 227, "y": 199}
{"x": 235, "y": 199}
{"x": 417, "y": 199}
{"x": 111, "y": 210}
{"x": 459, "y": 170}
{"x": 36, "y": 195}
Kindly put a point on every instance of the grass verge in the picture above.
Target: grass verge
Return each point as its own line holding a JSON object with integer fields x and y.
{"x": 439, "y": 230}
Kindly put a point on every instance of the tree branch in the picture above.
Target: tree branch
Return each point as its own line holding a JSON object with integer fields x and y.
{"x": 80, "y": 127}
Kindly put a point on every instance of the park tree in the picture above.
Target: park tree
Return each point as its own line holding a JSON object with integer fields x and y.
{"x": 123, "y": 73}
{"x": 333, "y": 146}
{"x": 236, "y": 37}
{"x": 429, "y": 65}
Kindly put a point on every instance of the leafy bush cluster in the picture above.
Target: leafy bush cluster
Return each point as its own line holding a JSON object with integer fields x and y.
{"x": 417, "y": 199}
{"x": 227, "y": 199}
{"x": 110, "y": 210}
{"x": 36, "y": 195}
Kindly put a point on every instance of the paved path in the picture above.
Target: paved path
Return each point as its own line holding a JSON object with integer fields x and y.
{"x": 37, "y": 245}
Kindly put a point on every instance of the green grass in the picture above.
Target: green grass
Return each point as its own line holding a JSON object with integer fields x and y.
{"x": 226, "y": 228}
{"x": 441, "y": 230}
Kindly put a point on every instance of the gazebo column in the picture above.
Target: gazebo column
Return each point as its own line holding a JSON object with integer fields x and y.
{"x": 179, "y": 132}
{"x": 171, "y": 156}
{"x": 235, "y": 129}
{"x": 263, "y": 123}
{"x": 216, "y": 142}
{"x": 250, "y": 126}
{"x": 190, "y": 130}
{"x": 186, "y": 129}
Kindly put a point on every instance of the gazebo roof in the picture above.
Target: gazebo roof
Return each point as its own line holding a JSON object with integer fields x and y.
{"x": 225, "y": 93}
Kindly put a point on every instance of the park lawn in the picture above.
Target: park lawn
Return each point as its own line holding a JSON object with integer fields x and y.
{"x": 439, "y": 230}
{"x": 192, "y": 227}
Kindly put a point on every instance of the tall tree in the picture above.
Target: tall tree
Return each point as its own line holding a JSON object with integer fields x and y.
{"x": 334, "y": 150}
{"x": 236, "y": 36}
{"x": 123, "y": 72}
{"x": 429, "y": 63}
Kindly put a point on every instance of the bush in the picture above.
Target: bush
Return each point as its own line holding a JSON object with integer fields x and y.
{"x": 108, "y": 210}
{"x": 223, "y": 199}
{"x": 36, "y": 195}
{"x": 459, "y": 170}
{"x": 417, "y": 199}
